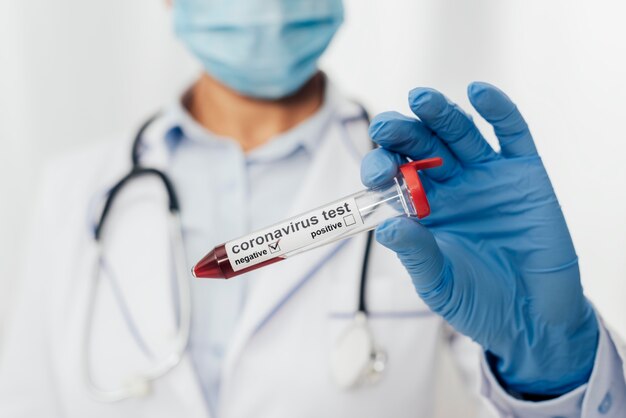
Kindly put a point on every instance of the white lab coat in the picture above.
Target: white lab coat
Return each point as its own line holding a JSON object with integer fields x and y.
{"x": 278, "y": 362}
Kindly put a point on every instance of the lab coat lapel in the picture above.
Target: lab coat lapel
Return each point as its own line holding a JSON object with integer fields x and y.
{"x": 139, "y": 263}
{"x": 334, "y": 173}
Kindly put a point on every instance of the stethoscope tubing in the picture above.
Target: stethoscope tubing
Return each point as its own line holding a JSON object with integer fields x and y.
{"x": 140, "y": 385}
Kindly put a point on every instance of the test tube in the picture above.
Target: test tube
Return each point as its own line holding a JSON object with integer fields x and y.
{"x": 404, "y": 195}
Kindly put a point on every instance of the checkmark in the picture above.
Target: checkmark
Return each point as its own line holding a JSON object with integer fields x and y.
{"x": 274, "y": 247}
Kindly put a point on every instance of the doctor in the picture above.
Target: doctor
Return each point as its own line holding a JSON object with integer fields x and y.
{"x": 263, "y": 134}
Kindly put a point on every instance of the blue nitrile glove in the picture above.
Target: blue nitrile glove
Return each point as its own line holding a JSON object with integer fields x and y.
{"x": 494, "y": 258}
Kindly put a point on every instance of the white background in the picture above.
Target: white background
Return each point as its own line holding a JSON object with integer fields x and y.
{"x": 72, "y": 71}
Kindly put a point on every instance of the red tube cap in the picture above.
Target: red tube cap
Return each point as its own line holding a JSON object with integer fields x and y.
{"x": 414, "y": 184}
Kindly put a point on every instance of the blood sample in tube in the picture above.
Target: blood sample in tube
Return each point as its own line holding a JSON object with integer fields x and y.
{"x": 404, "y": 195}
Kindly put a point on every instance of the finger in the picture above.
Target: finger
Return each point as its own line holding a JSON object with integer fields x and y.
{"x": 509, "y": 125}
{"x": 451, "y": 124}
{"x": 410, "y": 137}
{"x": 418, "y": 251}
{"x": 379, "y": 166}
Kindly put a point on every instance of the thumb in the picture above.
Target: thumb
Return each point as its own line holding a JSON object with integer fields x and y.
{"x": 418, "y": 251}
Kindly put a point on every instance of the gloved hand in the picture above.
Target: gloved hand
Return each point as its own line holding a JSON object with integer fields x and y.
{"x": 495, "y": 257}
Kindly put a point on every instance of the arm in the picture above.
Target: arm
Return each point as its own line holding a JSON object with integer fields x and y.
{"x": 602, "y": 395}
{"x": 495, "y": 258}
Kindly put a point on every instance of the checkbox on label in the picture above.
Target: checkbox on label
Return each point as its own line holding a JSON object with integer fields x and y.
{"x": 274, "y": 247}
{"x": 349, "y": 220}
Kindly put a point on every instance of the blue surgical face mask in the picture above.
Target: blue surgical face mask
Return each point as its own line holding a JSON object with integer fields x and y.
{"x": 260, "y": 48}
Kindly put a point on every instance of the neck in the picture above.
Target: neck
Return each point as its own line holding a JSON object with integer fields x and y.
{"x": 249, "y": 121}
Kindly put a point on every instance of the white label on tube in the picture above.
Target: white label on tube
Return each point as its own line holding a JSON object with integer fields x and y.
{"x": 309, "y": 229}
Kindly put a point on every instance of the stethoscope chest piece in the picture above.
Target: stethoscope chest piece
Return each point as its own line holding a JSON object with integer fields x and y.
{"x": 355, "y": 359}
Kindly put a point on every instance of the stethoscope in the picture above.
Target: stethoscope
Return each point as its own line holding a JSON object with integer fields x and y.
{"x": 355, "y": 359}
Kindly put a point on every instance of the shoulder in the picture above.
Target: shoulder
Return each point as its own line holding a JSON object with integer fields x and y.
{"x": 85, "y": 163}
{"x": 353, "y": 117}
{"x": 70, "y": 181}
